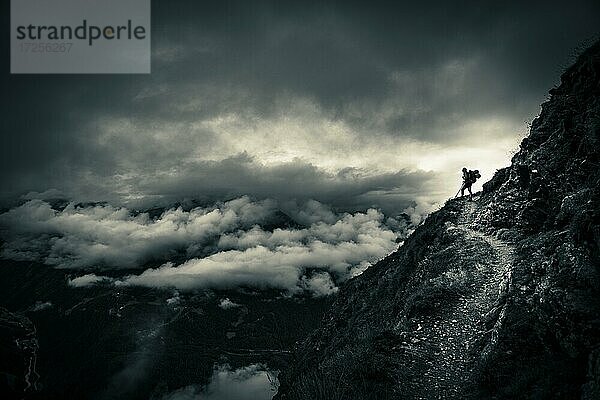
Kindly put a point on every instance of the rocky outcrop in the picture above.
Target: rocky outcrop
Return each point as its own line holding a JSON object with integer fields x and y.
{"x": 19, "y": 347}
{"x": 499, "y": 298}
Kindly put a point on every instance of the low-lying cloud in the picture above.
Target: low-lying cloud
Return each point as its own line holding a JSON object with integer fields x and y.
{"x": 85, "y": 280}
{"x": 227, "y": 304}
{"x": 107, "y": 236}
{"x": 253, "y": 382}
{"x": 280, "y": 258}
{"x": 292, "y": 246}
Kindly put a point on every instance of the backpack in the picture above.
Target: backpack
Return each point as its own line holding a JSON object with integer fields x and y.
{"x": 474, "y": 175}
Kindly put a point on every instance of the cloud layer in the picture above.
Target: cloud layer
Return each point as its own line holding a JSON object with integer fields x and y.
{"x": 240, "y": 243}
{"x": 106, "y": 236}
{"x": 280, "y": 258}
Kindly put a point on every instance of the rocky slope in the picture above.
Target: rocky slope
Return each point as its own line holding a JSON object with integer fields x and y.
{"x": 499, "y": 298}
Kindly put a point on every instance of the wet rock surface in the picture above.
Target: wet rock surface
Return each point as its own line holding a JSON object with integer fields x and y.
{"x": 499, "y": 298}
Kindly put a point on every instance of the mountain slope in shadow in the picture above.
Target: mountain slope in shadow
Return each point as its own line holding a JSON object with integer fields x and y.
{"x": 499, "y": 298}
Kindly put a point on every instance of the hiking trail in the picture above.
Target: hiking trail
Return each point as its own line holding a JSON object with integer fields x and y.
{"x": 452, "y": 333}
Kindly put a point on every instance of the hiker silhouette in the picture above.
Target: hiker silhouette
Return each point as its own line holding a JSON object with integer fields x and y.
{"x": 469, "y": 178}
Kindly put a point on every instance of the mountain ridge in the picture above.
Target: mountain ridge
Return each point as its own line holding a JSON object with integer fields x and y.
{"x": 494, "y": 299}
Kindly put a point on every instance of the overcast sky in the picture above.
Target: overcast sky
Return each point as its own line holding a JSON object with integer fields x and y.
{"x": 355, "y": 104}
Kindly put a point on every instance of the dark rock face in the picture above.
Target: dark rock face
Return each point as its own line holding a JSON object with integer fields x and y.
{"x": 19, "y": 345}
{"x": 499, "y": 298}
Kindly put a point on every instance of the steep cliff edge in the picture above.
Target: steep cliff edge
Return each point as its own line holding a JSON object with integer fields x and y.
{"x": 499, "y": 298}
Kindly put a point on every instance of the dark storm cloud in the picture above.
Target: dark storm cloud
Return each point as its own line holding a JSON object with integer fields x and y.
{"x": 431, "y": 72}
{"x": 211, "y": 181}
{"x": 348, "y": 189}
